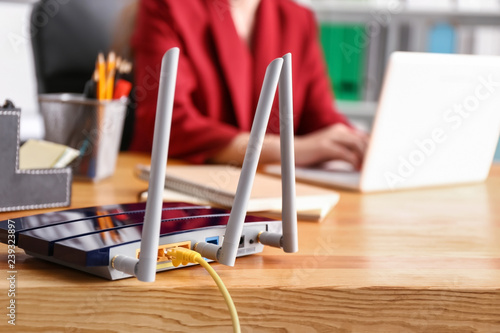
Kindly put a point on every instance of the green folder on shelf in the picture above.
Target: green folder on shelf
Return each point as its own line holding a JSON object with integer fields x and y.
{"x": 345, "y": 48}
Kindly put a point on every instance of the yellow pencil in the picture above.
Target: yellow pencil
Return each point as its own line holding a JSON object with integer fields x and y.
{"x": 110, "y": 75}
{"x": 101, "y": 87}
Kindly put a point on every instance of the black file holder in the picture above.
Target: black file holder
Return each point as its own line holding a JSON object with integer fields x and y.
{"x": 27, "y": 189}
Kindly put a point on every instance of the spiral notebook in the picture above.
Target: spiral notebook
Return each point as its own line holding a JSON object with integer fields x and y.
{"x": 216, "y": 185}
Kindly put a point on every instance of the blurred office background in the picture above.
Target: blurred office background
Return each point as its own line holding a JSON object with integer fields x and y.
{"x": 17, "y": 73}
{"x": 357, "y": 36}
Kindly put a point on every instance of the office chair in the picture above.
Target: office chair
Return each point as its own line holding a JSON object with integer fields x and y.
{"x": 68, "y": 35}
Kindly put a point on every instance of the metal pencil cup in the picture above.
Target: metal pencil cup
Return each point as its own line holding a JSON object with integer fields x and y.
{"x": 93, "y": 127}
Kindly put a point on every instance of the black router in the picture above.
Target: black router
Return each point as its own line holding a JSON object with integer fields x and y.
{"x": 125, "y": 240}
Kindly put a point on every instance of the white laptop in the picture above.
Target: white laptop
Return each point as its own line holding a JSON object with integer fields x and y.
{"x": 437, "y": 123}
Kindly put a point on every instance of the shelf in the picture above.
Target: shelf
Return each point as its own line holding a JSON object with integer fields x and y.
{"x": 385, "y": 13}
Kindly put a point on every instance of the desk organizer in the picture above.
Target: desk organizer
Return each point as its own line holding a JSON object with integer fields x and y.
{"x": 93, "y": 127}
{"x": 27, "y": 189}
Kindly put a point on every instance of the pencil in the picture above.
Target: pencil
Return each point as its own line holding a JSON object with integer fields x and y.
{"x": 101, "y": 87}
{"x": 118, "y": 63}
{"x": 110, "y": 83}
{"x": 110, "y": 75}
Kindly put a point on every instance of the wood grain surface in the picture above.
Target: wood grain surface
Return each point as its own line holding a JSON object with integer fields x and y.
{"x": 415, "y": 261}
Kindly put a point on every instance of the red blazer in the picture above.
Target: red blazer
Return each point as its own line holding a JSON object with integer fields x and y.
{"x": 220, "y": 76}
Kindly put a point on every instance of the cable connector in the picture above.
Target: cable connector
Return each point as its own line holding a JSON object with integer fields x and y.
{"x": 183, "y": 256}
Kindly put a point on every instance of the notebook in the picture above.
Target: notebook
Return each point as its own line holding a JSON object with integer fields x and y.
{"x": 39, "y": 154}
{"x": 216, "y": 184}
{"x": 437, "y": 123}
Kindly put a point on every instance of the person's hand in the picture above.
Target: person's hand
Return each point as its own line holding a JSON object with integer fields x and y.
{"x": 336, "y": 142}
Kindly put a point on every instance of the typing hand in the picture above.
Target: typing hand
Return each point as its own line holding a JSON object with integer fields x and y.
{"x": 336, "y": 142}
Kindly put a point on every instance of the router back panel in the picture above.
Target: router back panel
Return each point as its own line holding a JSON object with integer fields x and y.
{"x": 88, "y": 238}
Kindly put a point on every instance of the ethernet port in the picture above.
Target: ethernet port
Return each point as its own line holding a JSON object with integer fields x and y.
{"x": 163, "y": 249}
{"x": 242, "y": 242}
{"x": 212, "y": 240}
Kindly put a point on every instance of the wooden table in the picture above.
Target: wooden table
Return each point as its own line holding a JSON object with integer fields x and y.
{"x": 413, "y": 261}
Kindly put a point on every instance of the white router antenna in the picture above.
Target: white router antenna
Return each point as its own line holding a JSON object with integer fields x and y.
{"x": 280, "y": 70}
{"x": 145, "y": 267}
{"x": 289, "y": 240}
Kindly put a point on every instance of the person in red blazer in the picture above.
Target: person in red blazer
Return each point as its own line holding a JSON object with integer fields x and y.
{"x": 225, "y": 47}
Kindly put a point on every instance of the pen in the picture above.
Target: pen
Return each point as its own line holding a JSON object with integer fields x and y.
{"x": 90, "y": 89}
{"x": 122, "y": 89}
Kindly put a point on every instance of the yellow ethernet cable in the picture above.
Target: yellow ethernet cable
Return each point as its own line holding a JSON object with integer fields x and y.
{"x": 183, "y": 256}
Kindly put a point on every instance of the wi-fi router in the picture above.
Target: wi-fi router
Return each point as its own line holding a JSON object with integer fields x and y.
{"x": 125, "y": 240}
